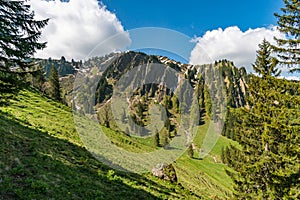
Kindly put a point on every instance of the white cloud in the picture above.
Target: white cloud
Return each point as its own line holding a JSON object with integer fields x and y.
{"x": 76, "y": 27}
{"x": 297, "y": 78}
{"x": 231, "y": 44}
{"x": 290, "y": 76}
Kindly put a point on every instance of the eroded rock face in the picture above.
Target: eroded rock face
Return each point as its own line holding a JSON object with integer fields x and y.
{"x": 166, "y": 172}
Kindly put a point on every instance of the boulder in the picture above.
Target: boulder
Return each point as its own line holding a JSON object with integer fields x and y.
{"x": 165, "y": 172}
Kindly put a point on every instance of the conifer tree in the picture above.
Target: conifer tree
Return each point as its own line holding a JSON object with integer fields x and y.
{"x": 19, "y": 34}
{"x": 54, "y": 84}
{"x": 288, "y": 23}
{"x": 156, "y": 138}
{"x": 265, "y": 65}
{"x": 268, "y": 162}
{"x": 190, "y": 151}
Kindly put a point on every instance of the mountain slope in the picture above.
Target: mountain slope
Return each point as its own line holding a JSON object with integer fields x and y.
{"x": 45, "y": 156}
{"x": 42, "y": 157}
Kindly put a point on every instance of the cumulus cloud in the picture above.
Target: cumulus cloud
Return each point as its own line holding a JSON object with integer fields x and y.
{"x": 231, "y": 44}
{"x": 290, "y": 76}
{"x": 76, "y": 27}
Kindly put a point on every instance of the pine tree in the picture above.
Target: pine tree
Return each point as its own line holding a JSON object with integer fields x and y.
{"x": 265, "y": 65}
{"x": 288, "y": 23}
{"x": 190, "y": 151}
{"x": 156, "y": 138}
{"x": 54, "y": 84}
{"x": 268, "y": 162}
{"x": 106, "y": 115}
{"x": 19, "y": 34}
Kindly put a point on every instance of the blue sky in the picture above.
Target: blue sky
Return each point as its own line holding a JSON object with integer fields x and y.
{"x": 195, "y": 17}
{"x": 219, "y": 29}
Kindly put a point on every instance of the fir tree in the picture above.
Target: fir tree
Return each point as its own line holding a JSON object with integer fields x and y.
{"x": 107, "y": 117}
{"x": 288, "y": 23}
{"x": 54, "y": 84}
{"x": 268, "y": 162}
{"x": 19, "y": 34}
{"x": 190, "y": 151}
{"x": 265, "y": 65}
{"x": 156, "y": 138}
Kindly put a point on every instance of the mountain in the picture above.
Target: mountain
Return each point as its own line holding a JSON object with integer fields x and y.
{"x": 113, "y": 66}
{"x": 46, "y": 157}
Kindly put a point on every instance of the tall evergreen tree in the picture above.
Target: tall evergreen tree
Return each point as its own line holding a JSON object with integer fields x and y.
{"x": 267, "y": 165}
{"x": 54, "y": 84}
{"x": 190, "y": 151}
{"x": 265, "y": 65}
{"x": 288, "y": 49}
{"x": 19, "y": 34}
{"x": 156, "y": 138}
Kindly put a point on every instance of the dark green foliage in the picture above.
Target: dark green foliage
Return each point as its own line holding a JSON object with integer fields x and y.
{"x": 19, "y": 34}
{"x": 190, "y": 151}
{"x": 267, "y": 164}
{"x": 37, "y": 78}
{"x": 156, "y": 138}
{"x": 288, "y": 23}
{"x": 102, "y": 85}
{"x": 207, "y": 101}
{"x": 8, "y": 86}
{"x": 140, "y": 109}
{"x": 167, "y": 124}
{"x": 200, "y": 92}
{"x": 170, "y": 172}
{"x": 265, "y": 65}
{"x": 105, "y": 116}
{"x": 54, "y": 90}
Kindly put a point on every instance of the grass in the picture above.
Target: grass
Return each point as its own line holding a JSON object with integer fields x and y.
{"x": 42, "y": 156}
{"x": 206, "y": 176}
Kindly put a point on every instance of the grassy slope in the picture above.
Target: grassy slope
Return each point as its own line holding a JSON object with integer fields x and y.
{"x": 206, "y": 176}
{"x": 42, "y": 156}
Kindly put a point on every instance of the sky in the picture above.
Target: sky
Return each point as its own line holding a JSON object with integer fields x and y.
{"x": 195, "y": 17}
{"x": 214, "y": 30}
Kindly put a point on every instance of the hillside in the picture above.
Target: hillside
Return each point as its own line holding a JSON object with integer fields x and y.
{"x": 45, "y": 156}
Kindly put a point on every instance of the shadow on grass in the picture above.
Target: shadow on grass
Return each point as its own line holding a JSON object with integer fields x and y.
{"x": 35, "y": 165}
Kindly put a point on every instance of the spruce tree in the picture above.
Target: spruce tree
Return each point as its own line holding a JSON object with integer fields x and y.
{"x": 265, "y": 65}
{"x": 288, "y": 23}
{"x": 267, "y": 163}
{"x": 190, "y": 151}
{"x": 156, "y": 138}
{"x": 54, "y": 84}
{"x": 19, "y": 34}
